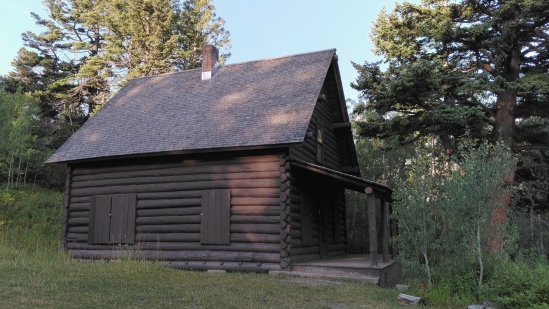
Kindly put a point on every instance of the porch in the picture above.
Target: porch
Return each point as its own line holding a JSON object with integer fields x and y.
{"x": 380, "y": 265}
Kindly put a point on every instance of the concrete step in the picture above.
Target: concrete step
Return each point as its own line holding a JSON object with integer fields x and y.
{"x": 361, "y": 278}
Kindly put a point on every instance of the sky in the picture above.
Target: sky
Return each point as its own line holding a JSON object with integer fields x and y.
{"x": 259, "y": 29}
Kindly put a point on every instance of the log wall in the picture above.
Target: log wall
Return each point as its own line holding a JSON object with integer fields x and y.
{"x": 333, "y": 212}
{"x": 168, "y": 211}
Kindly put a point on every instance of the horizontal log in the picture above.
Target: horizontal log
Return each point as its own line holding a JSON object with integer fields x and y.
{"x": 255, "y": 210}
{"x": 78, "y": 221}
{"x": 295, "y": 198}
{"x": 182, "y": 246}
{"x": 83, "y": 199}
{"x": 295, "y": 242}
{"x": 79, "y": 206}
{"x": 337, "y": 247}
{"x": 230, "y": 266}
{"x": 255, "y": 219}
{"x": 199, "y": 185}
{"x": 294, "y": 233}
{"x": 77, "y": 237}
{"x": 295, "y": 217}
{"x": 305, "y": 250}
{"x": 179, "y": 237}
{"x": 169, "y": 203}
{"x": 167, "y": 220}
{"x": 79, "y": 214}
{"x": 295, "y": 208}
{"x": 178, "y": 255}
{"x": 254, "y": 201}
{"x": 255, "y": 192}
{"x": 175, "y": 178}
{"x": 229, "y": 162}
{"x": 169, "y": 211}
{"x": 256, "y": 228}
{"x": 169, "y": 195}
{"x": 254, "y": 238}
{"x": 169, "y": 228}
{"x": 78, "y": 229}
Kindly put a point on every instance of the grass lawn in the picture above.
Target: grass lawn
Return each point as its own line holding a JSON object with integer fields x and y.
{"x": 49, "y": 279}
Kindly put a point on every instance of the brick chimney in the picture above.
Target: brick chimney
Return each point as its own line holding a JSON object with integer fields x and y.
{"x": 210, "y": 64}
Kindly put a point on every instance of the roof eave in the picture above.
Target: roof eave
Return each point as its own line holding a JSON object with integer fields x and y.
{"x": 175, "y": 152}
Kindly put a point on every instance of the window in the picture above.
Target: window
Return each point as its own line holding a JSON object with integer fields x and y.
{"x": 112, "y": 219}
{"x": 216, "y": 217}
{"x": 319, "y": 142}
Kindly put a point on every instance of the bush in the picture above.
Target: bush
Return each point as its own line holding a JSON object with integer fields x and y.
{"x": 518, "y": 284}
{"x": 30, "y": 218}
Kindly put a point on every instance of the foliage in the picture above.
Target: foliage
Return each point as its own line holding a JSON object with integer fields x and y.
{"x": 88, "y": 48}
{"x": 379, "y": 160}
{"x": 518, "y": 284}
{"x": 17, "y": 117}
{"x": 442, "y": 209}
{"x": 466, "y": 70}
{"x": 30, "y": 218}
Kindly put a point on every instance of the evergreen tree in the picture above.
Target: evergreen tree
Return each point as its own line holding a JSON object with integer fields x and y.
{"x": 89, "y": 47}
{"x": 474, "y": 69}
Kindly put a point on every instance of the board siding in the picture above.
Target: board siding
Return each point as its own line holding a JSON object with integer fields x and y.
{"x": 168, "y": 208}
{"x": 331, "y": 153}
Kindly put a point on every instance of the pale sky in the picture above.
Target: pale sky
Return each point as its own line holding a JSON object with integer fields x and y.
{"x": 259, "y": 29}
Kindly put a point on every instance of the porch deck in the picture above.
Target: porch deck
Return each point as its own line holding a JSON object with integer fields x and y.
{"x": 356, "y": 267}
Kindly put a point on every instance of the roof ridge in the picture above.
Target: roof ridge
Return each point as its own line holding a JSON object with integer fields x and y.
{"x": 244, "y": 62}
{"x": 282, "y": 57}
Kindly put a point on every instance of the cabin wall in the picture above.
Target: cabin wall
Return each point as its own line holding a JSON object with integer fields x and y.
{"x": 168, "y": 210}
{"x": 327, "y": 207}
{"x": 322, "y": 115}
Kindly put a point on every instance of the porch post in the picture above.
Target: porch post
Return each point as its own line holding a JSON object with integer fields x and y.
{"x": 394, "y": 251}
{"x": 386, "y": 231}
{"x": 372, "y": 228}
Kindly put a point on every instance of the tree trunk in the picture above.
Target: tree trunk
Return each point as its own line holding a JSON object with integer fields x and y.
{"x": 503, "y": 132}
{"x": 505, "y": 122}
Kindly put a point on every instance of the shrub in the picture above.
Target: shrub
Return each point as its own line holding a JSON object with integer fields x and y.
{"x": 518, "y": 284}
{"x": 30, "y": 218}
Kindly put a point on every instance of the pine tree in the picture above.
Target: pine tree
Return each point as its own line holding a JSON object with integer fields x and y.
{"x": 470, "y": 69}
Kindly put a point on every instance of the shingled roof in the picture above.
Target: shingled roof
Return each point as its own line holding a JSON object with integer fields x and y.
{"x": 258, "y": 103}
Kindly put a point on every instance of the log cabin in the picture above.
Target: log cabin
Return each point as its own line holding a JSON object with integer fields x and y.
{"x": 234, "y": 167}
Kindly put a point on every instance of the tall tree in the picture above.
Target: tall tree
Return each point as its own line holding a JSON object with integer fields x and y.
{"x": 466, "y": 69}
{"x": 207, "y": 29}
{"x": 147, "y": 37}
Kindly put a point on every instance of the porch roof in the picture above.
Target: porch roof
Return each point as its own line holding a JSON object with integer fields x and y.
{"x": 345, "y": 180}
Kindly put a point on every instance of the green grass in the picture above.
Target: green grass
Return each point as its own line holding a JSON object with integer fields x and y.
{"x": 49, "y": 279}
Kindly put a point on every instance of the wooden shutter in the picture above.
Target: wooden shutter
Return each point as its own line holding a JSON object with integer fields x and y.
{"x": 99, "y": 224}
{"x": 112, "y": 219}
{"x": 216, "y": 217}
{"x": 123, "y": 219}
